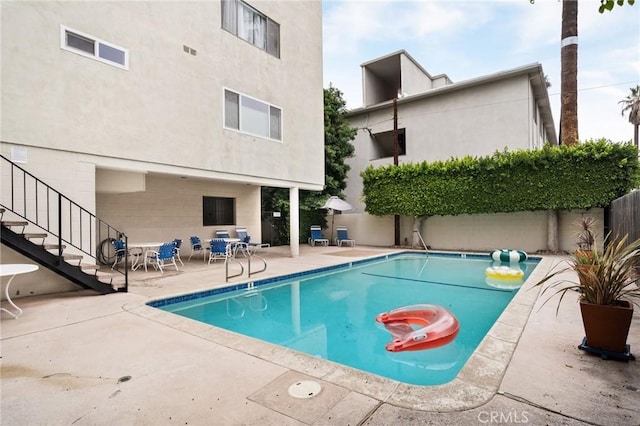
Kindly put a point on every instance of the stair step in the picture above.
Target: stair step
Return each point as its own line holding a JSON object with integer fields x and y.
{"x": 68, "y": 257}
{"x": 34, "y": 235}
{"x": 116, "y": 280}
{"x": 72, "y": 256}
{"x": 109, "y": 275}
{"x": 88, "y": 266}
{"x": 9, "y": 223}
{"x": 53, "y": 246}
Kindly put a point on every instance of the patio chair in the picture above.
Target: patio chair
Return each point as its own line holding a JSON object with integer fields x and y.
{"x": 219, "y": 249}
{"x": 176, "y": 250}
{"x": 235, "y": 245}
{"x": 222, "y": 233}
{"x": 317, "y": 237}
{"x": 160, "y": 258}
{"x": 196, "y": 246}
{"x": 246, "y": 239}
{"x": 343, "y": 237}
{"x": 120, "y": 252}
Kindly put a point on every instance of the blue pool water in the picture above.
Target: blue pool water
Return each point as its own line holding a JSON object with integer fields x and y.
{"x": 331, "y": 314}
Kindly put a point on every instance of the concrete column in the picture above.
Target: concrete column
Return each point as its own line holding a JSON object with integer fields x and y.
{"x": 294, "y": 221}
{"x": 552, "y": 231}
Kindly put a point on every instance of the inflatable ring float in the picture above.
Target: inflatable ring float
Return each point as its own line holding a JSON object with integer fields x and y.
{"x": 504, "y": 277}
{"x": 510, "y": 256}
{"x": 503, "y": 273}
{"x": 437, "y": 325}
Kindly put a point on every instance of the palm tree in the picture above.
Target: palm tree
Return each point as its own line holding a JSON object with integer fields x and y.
{"x": 632, "y": 104}
{"x": 569, "y": 74}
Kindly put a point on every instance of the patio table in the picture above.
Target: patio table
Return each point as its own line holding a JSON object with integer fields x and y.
{"x": 12, "y": 270}
{"x": 233, "y": 242}
{"x": 144, "y": 247}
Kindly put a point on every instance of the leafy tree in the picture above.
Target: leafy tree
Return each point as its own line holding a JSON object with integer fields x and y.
{"x": 632, "y": 104}
{"x": 338, "y": 135}
{"x": 608, "y": 4}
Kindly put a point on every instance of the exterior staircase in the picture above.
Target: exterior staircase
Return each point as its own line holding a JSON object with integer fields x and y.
{"x": 72, "y": 250}
{"x": 33, "y": 246}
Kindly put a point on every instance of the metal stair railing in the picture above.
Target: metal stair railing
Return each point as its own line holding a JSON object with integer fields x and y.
{"x": 36, "y": 202}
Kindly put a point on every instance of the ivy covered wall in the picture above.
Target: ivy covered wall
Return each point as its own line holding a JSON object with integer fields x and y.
{"x": 590, "y": 174}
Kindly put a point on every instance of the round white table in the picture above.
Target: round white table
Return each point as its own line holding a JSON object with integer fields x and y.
{"x": 12, "y": 270}
{"x": 144, "y": 248}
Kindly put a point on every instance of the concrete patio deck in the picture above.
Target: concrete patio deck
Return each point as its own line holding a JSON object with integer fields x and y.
{"x": 86, "y": 359}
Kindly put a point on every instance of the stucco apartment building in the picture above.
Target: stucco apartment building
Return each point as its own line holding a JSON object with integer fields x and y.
{"x": 438, "y": 119}
{"x": 165, "y": 118}
{"x": 141, "y": 109}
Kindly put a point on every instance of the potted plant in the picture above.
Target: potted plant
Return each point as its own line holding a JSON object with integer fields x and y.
{"x": 586, "y": 237}
{"x": 608, "y": 289}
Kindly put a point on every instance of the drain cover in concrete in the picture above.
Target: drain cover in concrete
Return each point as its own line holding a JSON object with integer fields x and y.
{"x": 304, "y": 389}
{"x": 281, "y": 395}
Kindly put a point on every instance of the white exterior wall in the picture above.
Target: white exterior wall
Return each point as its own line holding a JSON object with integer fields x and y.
{"x": 120, "y": 140}
{"x": 164, "y": 114}
{"x": 475, "y": 119}
{"x": 373, "y": 91}
{"x": 42, "y": 281}
{"x": 413, "y": 79}
{"x": 168, "y": 107}
{"x": 62, "y": 170}
{"x": 483, "y": 232}
{"x": 476, "y": 122}
{"x": 171, "y": 207}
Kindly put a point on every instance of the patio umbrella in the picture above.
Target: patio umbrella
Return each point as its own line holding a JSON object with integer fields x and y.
{"x": 335, "y": 203}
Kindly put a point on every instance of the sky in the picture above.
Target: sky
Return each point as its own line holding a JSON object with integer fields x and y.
{"x": 473, "y": 38}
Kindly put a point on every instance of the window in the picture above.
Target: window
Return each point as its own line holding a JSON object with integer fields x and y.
{"x": 218, "y": 211}
{"x": 250, "y": 115}
{"x": 244, "y": 21}
{"x": 92, "y": 47}
{"x": 383, "y": 144}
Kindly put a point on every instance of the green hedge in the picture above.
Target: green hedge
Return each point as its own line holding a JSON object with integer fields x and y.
{"x": 591, "y": 174}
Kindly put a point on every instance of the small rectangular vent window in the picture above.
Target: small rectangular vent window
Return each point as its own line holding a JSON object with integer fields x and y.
{"x": 111, "y": 54}
{"x": 189, "y": 50}
{"x": 81, "y": 43}
{"x": 94, "y": 48}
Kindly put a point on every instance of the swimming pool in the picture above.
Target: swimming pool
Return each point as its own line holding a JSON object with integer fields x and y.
{"x": 331, "y": 313}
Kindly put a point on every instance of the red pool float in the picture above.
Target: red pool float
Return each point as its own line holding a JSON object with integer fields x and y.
{"x": 438, "y": 326}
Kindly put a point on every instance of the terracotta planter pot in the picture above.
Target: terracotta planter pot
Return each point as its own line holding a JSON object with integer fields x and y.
{"x": 607, "y": 326}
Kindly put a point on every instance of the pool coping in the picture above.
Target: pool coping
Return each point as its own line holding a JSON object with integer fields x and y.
{"x": 476, "y": 383}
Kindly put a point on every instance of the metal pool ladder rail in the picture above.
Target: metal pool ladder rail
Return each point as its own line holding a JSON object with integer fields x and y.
{"x": 249, "y": 264}
{"x": 250, "y": 255}
{"x": 421, "y": 240}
